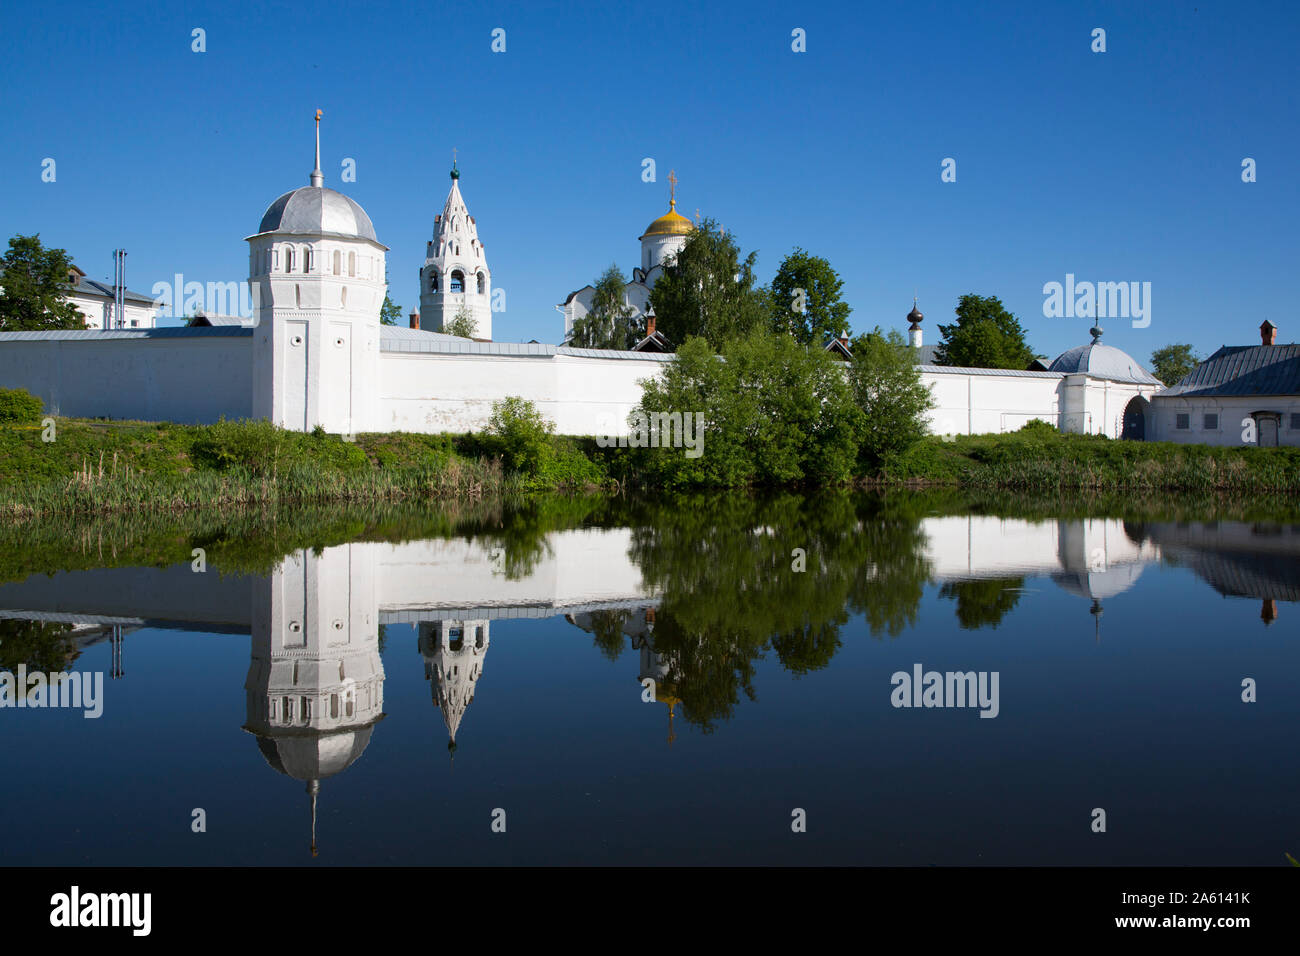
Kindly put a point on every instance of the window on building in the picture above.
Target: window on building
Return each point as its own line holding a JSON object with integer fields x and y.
{"x": 458, "y": 281}
{"x": 1295, "y": 421}
{"x": 286, "y": 709}
{"x": 1211, "y": 421}
{"x": 338, "y": 263}
{"x": 306, "y": 709}
{"x": 288, "y": 259}
{"x": 1182, "y": 421}
{"x": 306, "y": 259}
{"x": 352, "y": 265}
{"x": 433, "y": 280}
{"x": 275, "y": 260}
{"x": 482, "y": 283}
{"x": 334, "y": 705}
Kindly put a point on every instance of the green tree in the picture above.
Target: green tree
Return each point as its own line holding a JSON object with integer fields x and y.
{"x": 808, "y": 281}
{"x": 708, "y": 290}
{"x": 521, "y": 433}
{"x": 890, "y": 395}
{"x": 390, "y": 313}
{"x": 462, "y": 323}
{"x": 985, "y": 335}
{"x": 33, "y": 293}
{"x": 1173, "y": 362}
{"x": 609, "y": 324}
{"x": 775, "y": 412}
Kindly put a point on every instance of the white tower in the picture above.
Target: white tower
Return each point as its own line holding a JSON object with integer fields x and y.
{"x": 317, "y": 275}
{"x": 455, "y": 271}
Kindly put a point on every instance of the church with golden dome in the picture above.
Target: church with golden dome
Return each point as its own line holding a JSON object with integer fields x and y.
{"x": 662, "y": 240}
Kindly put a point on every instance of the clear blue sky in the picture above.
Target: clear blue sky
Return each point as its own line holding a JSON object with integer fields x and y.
{"x": 1120, "y": 166}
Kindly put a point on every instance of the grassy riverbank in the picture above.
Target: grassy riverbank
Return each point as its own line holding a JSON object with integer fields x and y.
{"x": 95, "y": 467}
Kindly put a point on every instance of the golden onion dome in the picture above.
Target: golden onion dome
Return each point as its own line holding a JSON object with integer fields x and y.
{"x": 671, "y": 223}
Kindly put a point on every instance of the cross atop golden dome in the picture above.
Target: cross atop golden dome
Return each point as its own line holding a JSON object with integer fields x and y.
{"x": 672, "y": 223}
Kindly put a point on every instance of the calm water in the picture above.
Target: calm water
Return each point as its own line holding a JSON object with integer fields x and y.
{"x": 384, "y": 700}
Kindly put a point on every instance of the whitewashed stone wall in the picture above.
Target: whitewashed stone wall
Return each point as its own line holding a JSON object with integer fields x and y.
{"x": 436, "y": 392}
{"x": 125, "y": 375}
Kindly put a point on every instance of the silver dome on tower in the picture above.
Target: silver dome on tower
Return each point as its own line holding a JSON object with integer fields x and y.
{"x": 316, "y": 211}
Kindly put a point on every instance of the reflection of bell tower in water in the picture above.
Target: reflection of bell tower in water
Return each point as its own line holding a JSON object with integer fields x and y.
{"x": 453, "y": 653}
{"x": 315, "y": 685}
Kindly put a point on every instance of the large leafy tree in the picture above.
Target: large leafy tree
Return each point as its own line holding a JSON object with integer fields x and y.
{"x": 888, "y": 391}
{"x": 1173, "y": 362}
{"x": 609, "y": 324}
{"x": 34, "y": 297}
{"x": 985, "y": 335}
{"x": 805, "y": 299}
{"x": 708, "y": 290}
{"x": 775, "y": 413}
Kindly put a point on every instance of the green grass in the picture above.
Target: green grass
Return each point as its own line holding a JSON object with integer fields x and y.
{"x": 1045, "y": 460}
{"x": 97, "y": 467}
{"x": 100, "y": 467}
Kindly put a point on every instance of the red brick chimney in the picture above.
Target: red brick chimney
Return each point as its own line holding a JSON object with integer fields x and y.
{"x": 1268, "y": 333}
{"x": 415, "y": 320}
{"x": 650, "y": 324}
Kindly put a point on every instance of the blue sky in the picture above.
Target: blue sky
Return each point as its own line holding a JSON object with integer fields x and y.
{"x": 1115, "y": 166}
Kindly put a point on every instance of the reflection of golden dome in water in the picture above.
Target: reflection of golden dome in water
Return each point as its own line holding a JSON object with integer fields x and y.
{"x": 671, "y": 223}
{"x": 667, "y": 694}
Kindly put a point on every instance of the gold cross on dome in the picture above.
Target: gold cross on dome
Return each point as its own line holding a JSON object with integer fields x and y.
{"x": 672, "y": 185}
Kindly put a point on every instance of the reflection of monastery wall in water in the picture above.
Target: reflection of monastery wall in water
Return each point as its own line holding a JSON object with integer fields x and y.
{"x": 315, "y": 680}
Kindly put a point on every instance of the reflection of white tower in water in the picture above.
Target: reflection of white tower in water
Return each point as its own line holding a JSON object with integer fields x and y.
{"x": 315, "y": 685}
{"x": 453, "y": 653}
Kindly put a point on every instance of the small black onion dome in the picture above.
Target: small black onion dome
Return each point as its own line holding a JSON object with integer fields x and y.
{"x": 915, "y": 316}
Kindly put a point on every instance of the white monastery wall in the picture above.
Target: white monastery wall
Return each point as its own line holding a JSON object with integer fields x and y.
{"x": 440, "y": 392}
{"x": 187, "y": 379}
{"x": 971, "y": 403}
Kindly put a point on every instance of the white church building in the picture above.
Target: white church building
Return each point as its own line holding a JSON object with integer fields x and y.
{"x": 662, "y": 240}
{"x": 317, "y": 354}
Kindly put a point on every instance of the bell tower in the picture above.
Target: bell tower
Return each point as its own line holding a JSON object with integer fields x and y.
{"x": 455, "y": 274}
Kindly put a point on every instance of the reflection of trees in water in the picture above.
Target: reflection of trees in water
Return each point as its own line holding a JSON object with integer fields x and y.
{"x": 724, "y": 568}
{"x": 43, "y": 646}
{"x": 983, "y": 603}
{"x": 607, "y": 631}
